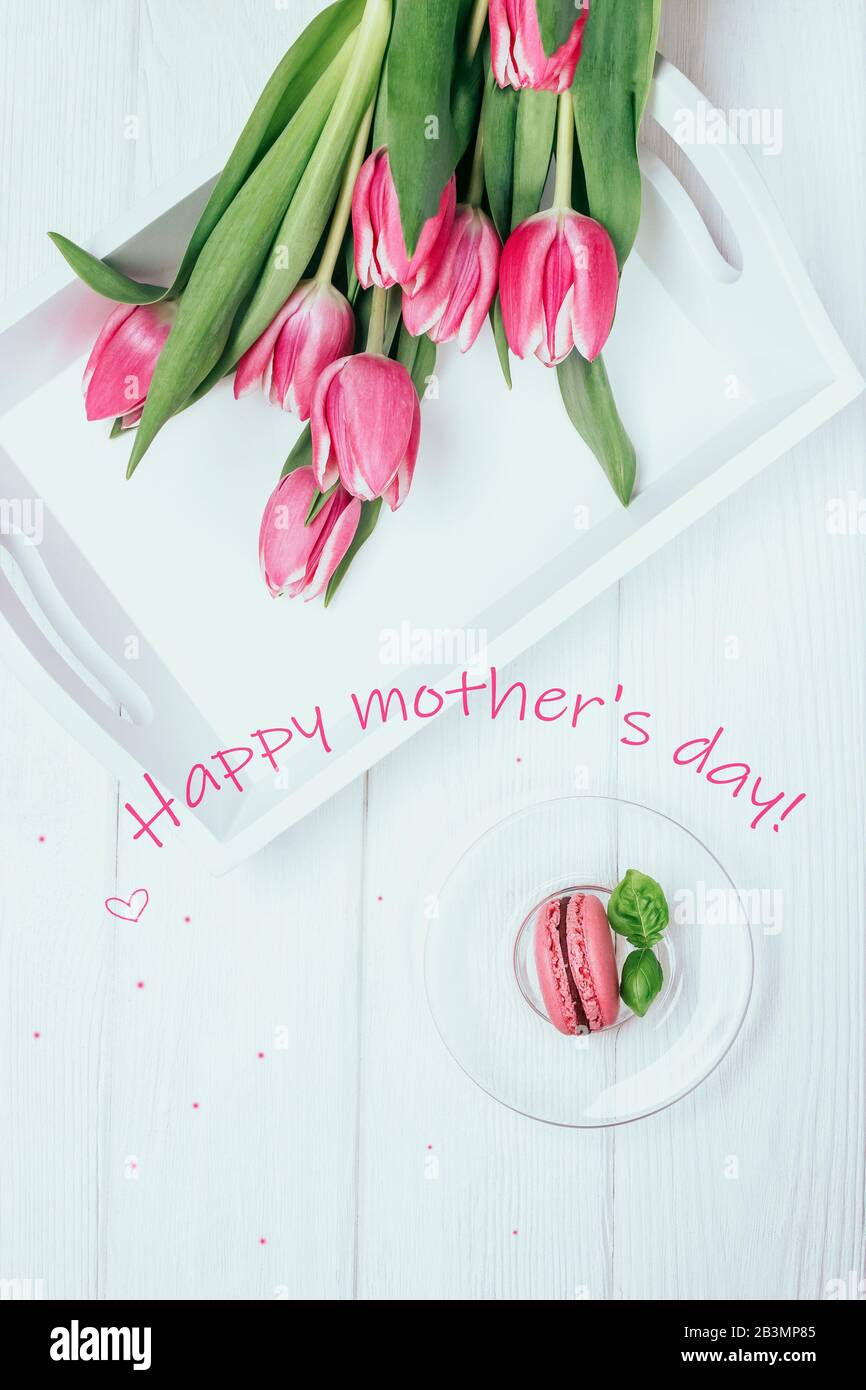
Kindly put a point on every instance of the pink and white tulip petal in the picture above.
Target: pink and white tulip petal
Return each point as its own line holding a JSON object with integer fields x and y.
{"x": 364, "y": 420}
{"x": 456, "y": 299}
{"x": 314, "y": 327}
{"x": 324, "y": 462}
{"x": 559, "y": 281}
{"x": 596, "y": 285}
{"x": 296, "y": 558}
{"x": 397, "y": 491}
{"x": 381, "y": 258}
{"x": 342, "y": 514}
{"x": 120, "y": 368}
{"x": 517, "y": 51}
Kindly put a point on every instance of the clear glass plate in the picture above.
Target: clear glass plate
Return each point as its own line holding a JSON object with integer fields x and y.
{"x": 480, "y": 973}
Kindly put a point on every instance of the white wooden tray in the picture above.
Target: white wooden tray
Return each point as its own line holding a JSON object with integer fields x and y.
{"x": 510, "y": 527}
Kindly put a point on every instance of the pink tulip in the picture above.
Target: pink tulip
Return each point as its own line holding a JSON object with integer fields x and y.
{"x": 456, "y": 299}
{"x": 119, "y": 369}
{"x": 314, "y": 327}
{"x": 517, "y": 52}
{"x": 381, "y": 257}
{"x": 295, "y": 558}
{"x": 366, "y": 427}
{"x": 558, "y": 282}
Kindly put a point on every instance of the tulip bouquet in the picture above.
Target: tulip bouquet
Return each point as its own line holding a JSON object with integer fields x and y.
{"x": 389, "y": 193}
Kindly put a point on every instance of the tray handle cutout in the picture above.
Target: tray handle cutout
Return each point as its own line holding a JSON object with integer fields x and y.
{"x": 48, "y": 613}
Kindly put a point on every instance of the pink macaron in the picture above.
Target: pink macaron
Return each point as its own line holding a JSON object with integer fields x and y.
{"x": 576, "y": 964}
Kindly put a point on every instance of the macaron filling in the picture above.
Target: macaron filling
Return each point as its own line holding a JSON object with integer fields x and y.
{"x": 583, "y": 1023}
{"x": 578, "y": 969}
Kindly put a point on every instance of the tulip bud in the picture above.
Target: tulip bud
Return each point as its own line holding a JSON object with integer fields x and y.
{"x": 120, "y": 367}
{"x": 558, "y": 282}
{"x": 298, "y": 559}
{"x": 381, "y": 258}
{"x": 314, "y": 327}
{"x": 456, "y": 299}
{"x": 517, "y": 52}
{"x": 366, "y": 428}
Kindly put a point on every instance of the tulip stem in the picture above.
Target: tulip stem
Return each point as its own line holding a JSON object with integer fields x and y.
{"x": 376, "y": 331}
{"x": 564, "y": 152}
{"x": 343, "y": 209}
{"x": 476, "y": 28}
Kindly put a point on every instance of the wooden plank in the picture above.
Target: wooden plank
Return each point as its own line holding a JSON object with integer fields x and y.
{"x": 267, "y": 963}
{"x": 58, "y": 808}
{"x": 753, "y": 619}
{"x": 446, "y": 1174}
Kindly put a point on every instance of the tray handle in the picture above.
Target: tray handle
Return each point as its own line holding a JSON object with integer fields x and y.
{"x": 728, "y": 171}
{"x": 134, "y": 724}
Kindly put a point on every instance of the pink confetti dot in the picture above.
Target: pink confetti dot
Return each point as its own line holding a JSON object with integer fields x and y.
{"x": 37, "y": 1035}
{"x": 140, "y": 984}
{"x": 262, "y": 1240}
{"x": 379, "y": 898}
{"x": 187, "y": 919}
{"x": 195, "y": 1105}
{"x": 514, "y": 1233}
{"x": 42, "y": 839}
{"x": 518, "y": 760}
{"x": 429, "y": 1146}
{"x": 260, "y": 1056}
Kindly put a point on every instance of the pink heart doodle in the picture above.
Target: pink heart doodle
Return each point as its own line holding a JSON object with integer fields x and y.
{"x": 134, "y": 907}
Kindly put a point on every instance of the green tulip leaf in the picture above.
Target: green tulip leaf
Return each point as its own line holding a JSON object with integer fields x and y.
{"x": 423, "y": 143}
{"x": 498, "y": 125}
{"x": 318, "y": 502}
{"x": 301, "y": 455}
{"x": 641, "y": 982}
{"x": 297, "y": 236}
{"x": 104, "y": 278}
{"x": 366, "y": 526}
{"x": 418, "y": 356}
{"x": 592, "y": 410}
{"x": 231, "y": 261}
{"x": 499, "y": 338}
{"x": 288, "y": 87}
{"x": 638, "y": 909}
{"x": 556, "y": 19}
{"x": 424, "y": 365}
{"x": 611, "y": 88}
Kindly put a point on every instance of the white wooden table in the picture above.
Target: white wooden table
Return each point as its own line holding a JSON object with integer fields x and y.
{"x": 354, "y": 1148}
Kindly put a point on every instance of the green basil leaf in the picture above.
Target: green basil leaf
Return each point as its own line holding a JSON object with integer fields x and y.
{"x": 366, "y": 526}
{"x": 556, "y": 19}
{"x": 642, "y": 979}
{"x": 592, "y": 410}
{"x": 103, "y": 278}
{"x": 611, "y": 88}
{"x": 422, "y": 142}
{"x": 533, "y": 147}
{"x": 231, "y": 260}
{"x": 638, "y": 909}
{"x": 498, "y": 326}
